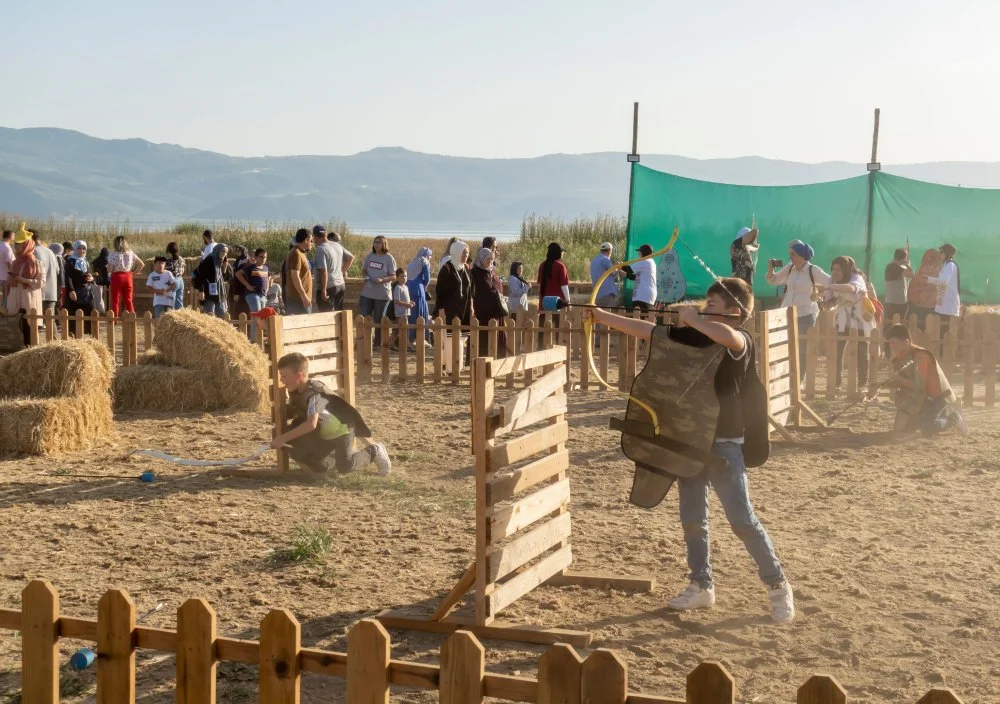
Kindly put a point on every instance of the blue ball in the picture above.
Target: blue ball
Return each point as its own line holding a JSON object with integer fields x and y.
{"x": 147, "y": 477}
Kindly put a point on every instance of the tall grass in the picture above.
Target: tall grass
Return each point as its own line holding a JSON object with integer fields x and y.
{"x": 581, "y": 237}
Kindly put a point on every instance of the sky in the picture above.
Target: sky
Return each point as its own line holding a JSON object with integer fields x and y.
{"x": 774, "y": 78}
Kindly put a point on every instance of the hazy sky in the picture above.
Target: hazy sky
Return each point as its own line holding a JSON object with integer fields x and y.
{"x": 782, "y": 79}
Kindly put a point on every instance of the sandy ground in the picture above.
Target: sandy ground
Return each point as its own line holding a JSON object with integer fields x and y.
{"x": 892, "y": 550}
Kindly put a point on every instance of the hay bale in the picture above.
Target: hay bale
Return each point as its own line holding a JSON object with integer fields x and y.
{"x": 157, "y": 387}
{"x": 107, "y": 359}
{"x": 56, "y": 369}
{"x": 237, "y": 370}
{"x": 154, "y": 358}
{"x": 51, "y": 426}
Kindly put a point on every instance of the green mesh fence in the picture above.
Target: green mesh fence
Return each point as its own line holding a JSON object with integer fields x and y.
{"x": 832, "y": 217}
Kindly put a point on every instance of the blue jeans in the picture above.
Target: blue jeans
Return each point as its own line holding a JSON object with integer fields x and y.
{"x": 805, "y": 322}
{"x": 215, "y": 308}
{"x": 160, "y": 310}
{"x": 179, "y": 295}
{"x": 255, "y": 302}
{"x": 730, "y": 486}
{"x": 376, "y": 308}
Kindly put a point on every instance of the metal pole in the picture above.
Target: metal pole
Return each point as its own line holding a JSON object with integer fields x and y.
{"x": 873, "y": 168}
{"x": 633, "y": 159}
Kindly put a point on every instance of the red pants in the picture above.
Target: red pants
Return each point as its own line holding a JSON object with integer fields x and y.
{"x": 121, "y": 292}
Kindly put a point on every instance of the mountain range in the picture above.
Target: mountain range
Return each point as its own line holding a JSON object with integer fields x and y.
{"x": 48, "y": 172}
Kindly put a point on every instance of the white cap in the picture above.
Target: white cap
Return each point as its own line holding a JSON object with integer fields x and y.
{"x": 605, "y": 246}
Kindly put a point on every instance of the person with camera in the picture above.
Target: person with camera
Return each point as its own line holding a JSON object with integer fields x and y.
{"x": 799, "y": 276}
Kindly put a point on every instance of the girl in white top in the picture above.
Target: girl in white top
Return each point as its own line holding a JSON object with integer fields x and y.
{"x": 644, "y": 271}
{"x": 847, "y": 293}
{"x": 949, "y": 301}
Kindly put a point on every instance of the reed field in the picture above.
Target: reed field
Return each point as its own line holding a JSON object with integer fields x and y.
{"x": 581, "y": 237}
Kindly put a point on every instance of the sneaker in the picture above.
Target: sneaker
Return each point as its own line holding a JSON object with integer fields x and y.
{"x": 960, "y": 424}
{"x": 381, "y": 460}
{"x": 782, "y": 603}
{"x": 694, "y": 597}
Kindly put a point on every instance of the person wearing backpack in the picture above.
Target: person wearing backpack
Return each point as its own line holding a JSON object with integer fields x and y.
{"x": 799, "y": 277}
{"x": 853, "y": 310}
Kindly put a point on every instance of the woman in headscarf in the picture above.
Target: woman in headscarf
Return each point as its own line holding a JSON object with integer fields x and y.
{"x": 418, "y": 275}
{"x": 488, "y": 299}
{"x": 447, "y": 252}
{"x": 454, "y": 286}
{"x": 237, "y": 291}
{"x": 79, "y": 282}
{"x": 25, "y": 276}
{"x": 517, "y": 288}
{"x": 846, "y": 294}
{"x": 211, "y": 277}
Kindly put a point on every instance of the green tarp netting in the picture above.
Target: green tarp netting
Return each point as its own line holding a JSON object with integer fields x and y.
{"x": 832, "y": 217}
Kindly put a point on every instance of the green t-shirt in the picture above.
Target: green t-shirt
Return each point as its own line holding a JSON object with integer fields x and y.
{"x": 330, "y": 427}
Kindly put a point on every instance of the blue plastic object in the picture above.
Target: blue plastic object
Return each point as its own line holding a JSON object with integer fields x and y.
{"x": 82, "y": 659}
{"x": 147, "y": 477}
{"x": 550, "y": 304}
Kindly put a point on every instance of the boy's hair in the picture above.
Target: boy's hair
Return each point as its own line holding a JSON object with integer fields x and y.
{"x": 207, "y": 234}
{"x": 296, "y": 361}
{"x": 900, "y": 254}
{"x": 400, "y": 270}
{"x": 157, "y": 260}
{"x": 7, "y": 234}
{"x": 897, "y": 332}
{"x": 259, "y": 251}
{"x": 735, "y": 292}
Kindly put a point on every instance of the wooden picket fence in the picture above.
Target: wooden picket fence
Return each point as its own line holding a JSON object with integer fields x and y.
{"x": 367, "y": 667}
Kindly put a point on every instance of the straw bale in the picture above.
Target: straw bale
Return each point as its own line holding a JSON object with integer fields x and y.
{"x": 154, "y": 358}
{"x": 54, "y": 425}
{"x": 56, "y": 369}
{"x": 237, "y": 370}
{"x": 157, "y": 387}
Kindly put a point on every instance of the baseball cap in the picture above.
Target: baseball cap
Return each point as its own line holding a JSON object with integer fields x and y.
{"x": 319, "y": 230}
{"x": 605, "y": 246}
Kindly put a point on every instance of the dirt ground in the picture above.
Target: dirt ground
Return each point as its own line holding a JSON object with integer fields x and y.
{"x": 891, "y": 547}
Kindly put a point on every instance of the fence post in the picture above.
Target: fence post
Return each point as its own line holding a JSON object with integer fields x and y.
{"x": 366, "y": 337}
{"x": 463, "y": 669}
{"x": 709, "y": 683}
{"x": 851, "y": 356}
{"x": 567, "y": 338}
{"x": 940, "y": 695}
{"x": 115, "y": 649}
{"x": 510, "y": 344}
{"x": 111, "y": 318}
{"x": 95, "y": 327}
{"x": 812, "y": 360}
{"x": 604, "y": 679}
{"x": 560, "y": 675}
{"x": 402, "y": 342}
{"x": 829, "y": 331}
{"x": 368, "y": 664}
{"x": 421, "y": 348}
{"x": 875, "y": 344}
{"x": 438, "y": 327}
{"x": 474, "y": 330}
{"x": 196, "y": 664}
{"x": 280, "y": 642}
{"x": 39, "y": 643}
{"x": 346, "y": 322}
{"x": 457, "y": 352}
{"x": 531, "y": 340}
{"x": 384, "y": 337}
{"x": 821, "y": 689}
{"x": 78, "y": 324}
{"x": 492, "y": 338}
{"x": 969, "y": 364}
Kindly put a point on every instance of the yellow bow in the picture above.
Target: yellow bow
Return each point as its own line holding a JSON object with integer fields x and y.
{"x": 588, "y": 327}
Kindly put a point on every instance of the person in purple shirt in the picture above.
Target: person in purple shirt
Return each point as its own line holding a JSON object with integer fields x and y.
{"x": 607, "y": 296}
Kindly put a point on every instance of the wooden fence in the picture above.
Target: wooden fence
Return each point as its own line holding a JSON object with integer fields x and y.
{"x": 370, "y": 672}
{"x": 968, "y": 351}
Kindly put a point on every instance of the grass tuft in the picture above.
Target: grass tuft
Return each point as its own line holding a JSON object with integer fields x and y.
{"x": 309, "y": 544}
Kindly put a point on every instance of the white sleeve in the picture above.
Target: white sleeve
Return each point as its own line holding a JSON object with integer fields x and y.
{"x": 946, "y": 276}
{"x": 779, "y": 277}
{"x": 746, "y": 346}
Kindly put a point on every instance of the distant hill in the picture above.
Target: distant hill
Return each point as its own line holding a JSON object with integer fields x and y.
{"x": 61, "y": 173}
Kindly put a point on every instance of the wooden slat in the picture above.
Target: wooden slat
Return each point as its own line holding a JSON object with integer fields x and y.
{"x": 512, "y": 590}
{"x": 305, "y": 335}
{"x": 506, "y": 486}
{"x": 333, "y": 380}
{"x": 322, "y": 662}
{"x": 463, "y": 670}
{"x": 115, "y": 650}
{"x": 326, "y": 364}
{"x": 10, "y": 619}
{"x": 522, "y": 362}
{"x": 778, "y": 386}
{"x": 527, "y": 547}
{"x": 81, "y": 628}
{"x": 779, "y": 404}
{"x": 196, "y": 665}
{"x": 779, "y": 368}
{"x": 237, "y": 650}
{"x": 777, "y": 337}
{"x": 497, "y": 630}
{"x": 560, "y": 672}
{"x": 710, "y": 682}
{"x": 508, "y": 520}
{"x": 821, "y": 689}
{"x": 527, "y": 445}
{"x": 368, "y": 664}
{"x": 315, "y": 349}
{"x": 604, "y": 679}
{"x": 278, "y": 665}
{"x": 39, "y": 644}
{"x": 296, "y": 322}
{"x": 514, "y": 407}
{"x": 158, "y": 639}
{"x": 777, "y": 318}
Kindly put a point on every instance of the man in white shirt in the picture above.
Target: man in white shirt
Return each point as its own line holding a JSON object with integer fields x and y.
{"x": 644, "y": 274}
{"x": 209, "y": 241}
{"x": 948, "y": 282}
{"x": 331, "y": 261}
{"x": 6, "y": 259}
{"x": 53, "y": 281}
{"x": 799, "y": 277}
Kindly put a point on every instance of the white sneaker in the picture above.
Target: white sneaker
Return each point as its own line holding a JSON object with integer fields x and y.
{"x": 382, "y": 460}
{"x": 694, "y": 597}
{"x": 960, "y": 424}
{"x": 782, "y": 603}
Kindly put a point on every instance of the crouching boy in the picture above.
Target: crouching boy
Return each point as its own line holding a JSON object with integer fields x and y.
{"x": 924, "y": 399}
{"x": 323, "y": 425}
